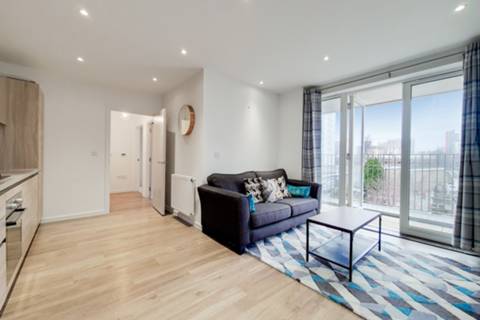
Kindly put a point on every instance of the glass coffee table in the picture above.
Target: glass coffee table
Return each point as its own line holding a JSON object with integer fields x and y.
{"x": 340, "y": 250}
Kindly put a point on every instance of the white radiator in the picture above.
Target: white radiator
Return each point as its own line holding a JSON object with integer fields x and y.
{"x": 183, "y": 194}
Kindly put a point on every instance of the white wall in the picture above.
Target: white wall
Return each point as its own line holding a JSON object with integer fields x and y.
{"x": 290, "y": 135}
{"x": 241, "y": 125}
{"x": 125, "y": 175}
{"x": 188, "y": 152}
{"x": 75, "y": 140}
{"x": 236, "y": 128}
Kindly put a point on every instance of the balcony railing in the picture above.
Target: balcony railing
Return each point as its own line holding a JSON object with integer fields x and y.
{"x": 376, "y": 182}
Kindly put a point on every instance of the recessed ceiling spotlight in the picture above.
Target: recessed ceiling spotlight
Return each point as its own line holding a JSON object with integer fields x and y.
{"x": 80, "y": 59}
{"x": 154, "y": 79}
{"x": 460, "y": 7}
{"x": 261, "y": 82}
{"x": 326, "y": 58}
{"x": 184, "y": 52}
{"x": 84, "y": 12}
{"x": 125, "y": 115}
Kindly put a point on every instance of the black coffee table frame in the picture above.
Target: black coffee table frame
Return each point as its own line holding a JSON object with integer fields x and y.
{"x": 352, "y": 260}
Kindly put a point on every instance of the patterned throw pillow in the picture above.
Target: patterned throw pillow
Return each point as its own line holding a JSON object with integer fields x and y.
{"x": 271, "y": 191}
{"x": 282, "y": 184}
{"x": 253, "y": 186}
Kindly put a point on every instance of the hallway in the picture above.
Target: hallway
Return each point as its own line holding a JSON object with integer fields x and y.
{"x": 120, "y": 202}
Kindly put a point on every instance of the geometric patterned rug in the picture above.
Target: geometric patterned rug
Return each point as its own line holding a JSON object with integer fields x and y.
{"x": 396, "y": 283}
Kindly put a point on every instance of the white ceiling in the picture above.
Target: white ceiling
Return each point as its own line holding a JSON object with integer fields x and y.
{"x": 282, "y": 42}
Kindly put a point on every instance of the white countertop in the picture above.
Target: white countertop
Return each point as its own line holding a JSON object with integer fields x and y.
{"x": 15, "y": 177}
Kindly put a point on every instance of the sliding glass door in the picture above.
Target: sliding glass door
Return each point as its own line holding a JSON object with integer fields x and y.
{"x": 376, "y": 151}
{"x": 395, "y": 149}
{"x": 331, "y": 146}
{"x": 432, "y": 133}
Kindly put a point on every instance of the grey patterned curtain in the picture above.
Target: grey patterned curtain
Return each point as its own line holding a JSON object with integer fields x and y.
{"x": 312, "y": 128}
{"x": 466, "y": 233}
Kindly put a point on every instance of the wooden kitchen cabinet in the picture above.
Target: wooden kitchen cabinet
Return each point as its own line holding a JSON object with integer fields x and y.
{"x": 3, "y": 272}
{"x": 3, "y": 252}
{"x": 3, "y": 101}
{"x": 21, "y": 147}
{"x": 21, "y": 136}
{"x": 14, "y": 251}
{"x": 30, "y": 218}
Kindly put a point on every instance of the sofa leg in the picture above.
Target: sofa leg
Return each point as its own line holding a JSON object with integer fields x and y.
{"x": 240, "y": 250}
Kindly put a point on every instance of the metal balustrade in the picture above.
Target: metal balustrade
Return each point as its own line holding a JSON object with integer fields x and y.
{"x": 433, "y": 182}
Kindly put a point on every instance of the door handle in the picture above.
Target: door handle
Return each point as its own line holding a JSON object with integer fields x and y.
{"x": 161, "y": 162}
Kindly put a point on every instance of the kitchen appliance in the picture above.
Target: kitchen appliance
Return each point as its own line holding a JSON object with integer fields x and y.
{"x": 14, "y": 233}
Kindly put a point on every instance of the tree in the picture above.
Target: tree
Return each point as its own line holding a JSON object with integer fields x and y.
{"x": 372, "y": 174}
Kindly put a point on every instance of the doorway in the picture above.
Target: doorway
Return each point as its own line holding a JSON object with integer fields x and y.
{"x": 431, "y": 166}
{"x": 130, "y": 148}
{"x": 395, "y": 149}
{"x": 137, "y": 157}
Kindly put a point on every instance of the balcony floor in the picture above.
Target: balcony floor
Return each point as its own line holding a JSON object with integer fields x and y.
{"x": 391, "y": 221}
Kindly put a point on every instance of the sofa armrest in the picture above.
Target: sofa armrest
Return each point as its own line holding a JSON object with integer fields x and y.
{"x": 225, "y": 216}
{"x": 315, "y": 188}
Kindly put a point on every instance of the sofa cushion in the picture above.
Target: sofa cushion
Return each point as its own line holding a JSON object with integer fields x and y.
{"x": 299, "y": 191}
{"x": 268, "y": 213}
{"x": 282, "y": 184}
{"x": 232, "y": 182}
{"x": 270, "y": 190}
{"x": 300, "y": 205}
{"x": 274, "y": 174}
{"x": 253, "y": 187}
{"x": 266, "y": 231}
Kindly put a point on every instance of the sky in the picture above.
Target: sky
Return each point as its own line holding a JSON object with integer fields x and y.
{"x": 432, "y": 117}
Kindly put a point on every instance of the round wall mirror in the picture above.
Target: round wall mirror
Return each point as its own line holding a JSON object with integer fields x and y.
{"x": 186, "y": 120}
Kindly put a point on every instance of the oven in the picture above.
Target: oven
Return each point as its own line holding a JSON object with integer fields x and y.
{"x": 13, "y": 223}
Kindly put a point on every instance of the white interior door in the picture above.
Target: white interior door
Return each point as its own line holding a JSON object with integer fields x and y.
{"x": 123, "y": 177}
{"x": 159, "y": 152}
{"x": 139, "y": 157}
{"x": 146, "y": 159}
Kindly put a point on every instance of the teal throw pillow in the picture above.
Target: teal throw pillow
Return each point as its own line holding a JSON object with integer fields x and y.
{"x": 299, "y": 192}
{"x": 251, "y": 203}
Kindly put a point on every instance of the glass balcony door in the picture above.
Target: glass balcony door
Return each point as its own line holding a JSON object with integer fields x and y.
{"x": 332, "y": 142}
{"x": 395, "y": 149}
{"x": 374, "y": 141}
{"x": 432, "y": 119}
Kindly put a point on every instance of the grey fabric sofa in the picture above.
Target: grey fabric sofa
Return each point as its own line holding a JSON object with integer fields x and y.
{"x": 226, "y": 216}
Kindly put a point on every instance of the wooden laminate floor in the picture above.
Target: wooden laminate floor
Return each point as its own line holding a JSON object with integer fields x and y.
{"x": 136, "y": 264}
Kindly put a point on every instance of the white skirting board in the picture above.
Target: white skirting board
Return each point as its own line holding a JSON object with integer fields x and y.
{"x": 183, "y": 195}
{"x": 73, "y": 216}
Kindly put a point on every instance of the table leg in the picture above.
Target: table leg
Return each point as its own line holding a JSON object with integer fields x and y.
{"x": 306, "y": 257}
{"x": 380, "y": 233}
{"x": 350, "y": 262}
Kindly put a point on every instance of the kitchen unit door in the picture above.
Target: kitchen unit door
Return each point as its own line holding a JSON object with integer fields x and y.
{"x": 3, "y": 101}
